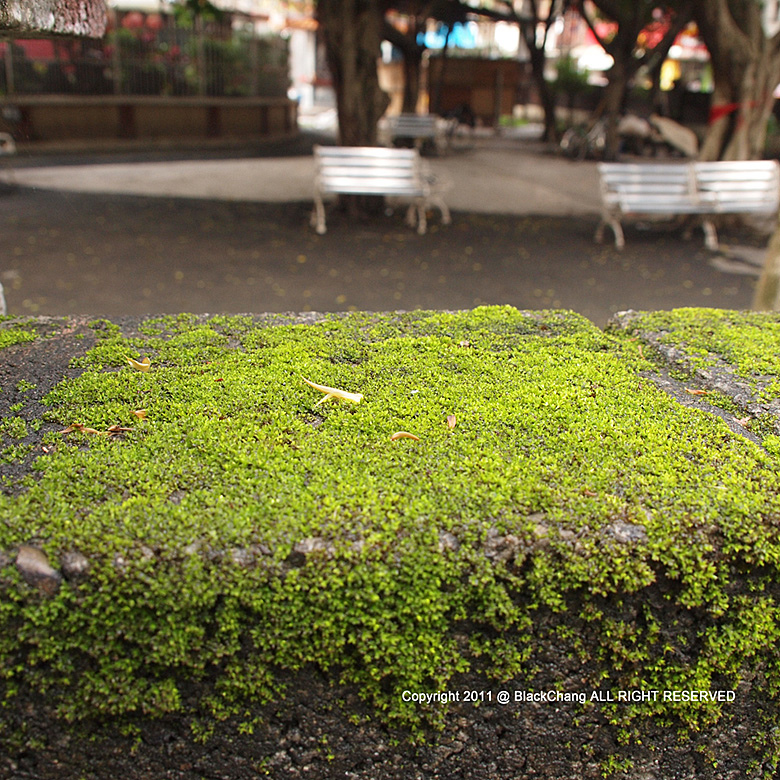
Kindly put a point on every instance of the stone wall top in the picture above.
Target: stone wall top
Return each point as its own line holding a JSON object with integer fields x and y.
{"x": 19, "y": 18}
{"x": 488, "y": 543}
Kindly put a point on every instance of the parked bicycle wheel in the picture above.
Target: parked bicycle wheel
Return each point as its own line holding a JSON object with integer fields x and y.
{"x": 573, "y": 143}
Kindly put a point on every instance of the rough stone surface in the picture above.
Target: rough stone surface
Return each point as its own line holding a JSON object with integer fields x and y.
{"x": 74, "y": 565}
{"x": 36, "y": 570}
{"x": 85, "y": 18}
{"x": 720, "y": 377}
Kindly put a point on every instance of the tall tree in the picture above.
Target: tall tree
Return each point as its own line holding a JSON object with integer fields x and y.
{"x": 351, "y": 32}
{"x": 631, "y": 48}
{"x": 535, "y": 26}
{"x": 412, "y": 52}
{"x": 744, "y": 48}
{"x": 743, "y": 38}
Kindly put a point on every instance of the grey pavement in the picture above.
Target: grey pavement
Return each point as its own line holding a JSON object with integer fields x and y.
{"x": 486, "y": 174}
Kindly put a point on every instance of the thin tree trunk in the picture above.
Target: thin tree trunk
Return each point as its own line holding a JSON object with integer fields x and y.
{"x": 412, "y": 61}
{"x": 612, "y": 105}
{"x": 767, "y": 295}
{"x": 546, "y": 96}
{"x": 412, "y": 68}
{"x": 442, "y": 72}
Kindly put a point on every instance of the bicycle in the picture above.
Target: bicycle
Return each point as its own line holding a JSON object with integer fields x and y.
{"x": 583, "y": 142}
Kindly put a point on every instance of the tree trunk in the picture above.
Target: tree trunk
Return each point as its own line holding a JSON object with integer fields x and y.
{"x": 412, "y": 53}
{"x": 741, "y": 106}
{"x": 632, "y": 18}
{"x": 412, "y": 69}
{"x": 546, "y": 95}
{"x": 436, "y": 103}
{"x": 351, "y": 30}
{"x": 767, "y": 295}
{"x": 746, "y": 69}
{"x": 612, "y": 104}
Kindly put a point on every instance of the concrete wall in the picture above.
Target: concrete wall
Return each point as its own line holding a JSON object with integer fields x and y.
{"x": 77, "y": 119}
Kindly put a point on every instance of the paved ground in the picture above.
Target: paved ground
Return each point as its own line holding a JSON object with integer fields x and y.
{"x": 227, "y": 231}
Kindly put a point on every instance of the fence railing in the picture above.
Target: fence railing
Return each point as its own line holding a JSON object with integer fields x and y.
{"x": 167, "y": 60}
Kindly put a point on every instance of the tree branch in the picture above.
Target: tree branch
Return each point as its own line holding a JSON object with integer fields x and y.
{"x": 592, "y": 27}
{"x": 716, "y": 22}
{"x": 682, "y": 17}
{"x": 403, "y": 42}
{"x": 607, "y": 7}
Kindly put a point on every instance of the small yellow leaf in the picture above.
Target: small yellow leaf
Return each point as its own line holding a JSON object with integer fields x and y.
{"x": 451, "y": 421}
{"x": 79, "y": 428}
{"x": 140, "y": 365}
{"x": 332, "y": 392}
{"x": 404, "y": 435}
{"x": 140, "y": 414}
{"x": 113, "y": 430}
{"x": 696, "y": 392}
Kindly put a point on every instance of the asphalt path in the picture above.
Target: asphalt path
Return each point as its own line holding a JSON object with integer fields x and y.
{"x": 227, "y": 231}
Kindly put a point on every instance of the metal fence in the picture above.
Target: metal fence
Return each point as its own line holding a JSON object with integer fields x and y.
{"x": 163, "y": 58}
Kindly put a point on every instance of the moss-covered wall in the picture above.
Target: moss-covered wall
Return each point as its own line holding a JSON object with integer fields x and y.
{"x": 194, "y": 540}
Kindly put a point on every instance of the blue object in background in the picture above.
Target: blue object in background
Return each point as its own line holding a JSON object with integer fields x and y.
{"x": 462, "y": 37}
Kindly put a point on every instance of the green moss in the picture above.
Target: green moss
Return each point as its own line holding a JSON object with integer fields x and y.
{"x": 13, "y": 427}
{"x": 16, "y": 453}
{"x": 597, "y": 484}
{"x": 16, "y": 334}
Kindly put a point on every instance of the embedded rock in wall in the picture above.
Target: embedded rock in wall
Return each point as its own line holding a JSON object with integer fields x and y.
{"x": 53, "y": 17}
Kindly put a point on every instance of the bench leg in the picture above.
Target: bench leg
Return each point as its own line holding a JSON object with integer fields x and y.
{"x": 411, "y": 215}
{"x": 617, "y": 229}
{"x": 710, "y": 235}
{"x": 446, "y": 217}
{"x": 422, "y": 219}
{"x": 318, "y": 216}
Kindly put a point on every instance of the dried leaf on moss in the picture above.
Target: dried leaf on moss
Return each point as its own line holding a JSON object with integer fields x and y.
{"x": 140, "y": 365}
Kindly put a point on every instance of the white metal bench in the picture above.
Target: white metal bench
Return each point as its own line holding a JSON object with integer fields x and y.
{"x": 418, "y": 128}
{"x": 702, "y": 189}
{"x": 373, "y": 170}
{"x": 414, "y": 126}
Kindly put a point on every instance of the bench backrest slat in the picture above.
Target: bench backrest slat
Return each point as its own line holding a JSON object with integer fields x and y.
{"x": 368, "y": 170}
{"x": 413, "y": 125}
{"x": 733, "y": 186}
{"x": 741, "y": 186}
{"x": 368, "y": 152}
